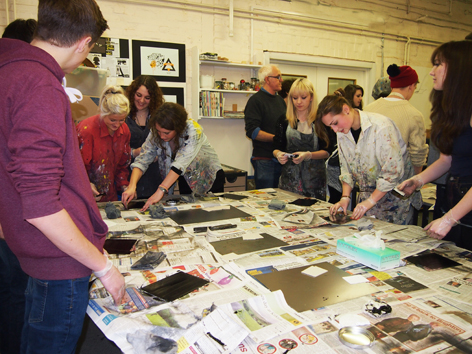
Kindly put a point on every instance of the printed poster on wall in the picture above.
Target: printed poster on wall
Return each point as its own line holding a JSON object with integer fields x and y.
{"x": 163, "y": 61}
{"x": 111, "y": 54}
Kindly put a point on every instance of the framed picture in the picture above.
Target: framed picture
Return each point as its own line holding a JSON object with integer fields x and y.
{"x": 163, "y": 61}
{"x": 171, "y": 94}
{"x": 334, "y": 83}
{"x": 174, "y": 94}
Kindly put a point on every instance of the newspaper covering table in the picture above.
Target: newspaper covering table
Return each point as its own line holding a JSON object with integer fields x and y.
{"x": 234, "y": 313}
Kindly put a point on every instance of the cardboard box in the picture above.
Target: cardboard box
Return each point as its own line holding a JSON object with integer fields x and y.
{"x": 374, "y": 258}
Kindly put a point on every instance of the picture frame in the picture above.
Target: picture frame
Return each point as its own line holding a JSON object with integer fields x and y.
{"x": 163, "y": 61}
{"x": 171, "y": 94}
{"x": 174, "y": 94}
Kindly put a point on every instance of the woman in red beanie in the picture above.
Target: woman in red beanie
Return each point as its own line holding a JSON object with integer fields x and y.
{"x": 451, "y": 133}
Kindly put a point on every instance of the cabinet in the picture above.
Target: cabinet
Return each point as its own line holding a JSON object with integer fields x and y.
{"x": 233, "y": 72}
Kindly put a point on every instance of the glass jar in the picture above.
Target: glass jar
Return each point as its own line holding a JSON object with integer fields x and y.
{"x": 242, "y": 85}
{"x": 253, "y": 83}
{"x": 224, "y": 84}
{"x": 231, "y": 85}
{"x": 219, "y": 85}
{"x": 257, "y": 87}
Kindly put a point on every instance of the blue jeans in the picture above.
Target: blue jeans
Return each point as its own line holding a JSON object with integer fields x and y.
{"x": 266, "y": 173}
{"x": 12, "y": 300}
{"x": 54, "y": 315}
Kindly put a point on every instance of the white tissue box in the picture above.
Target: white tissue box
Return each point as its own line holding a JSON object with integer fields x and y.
{"x": 374, "y": 258}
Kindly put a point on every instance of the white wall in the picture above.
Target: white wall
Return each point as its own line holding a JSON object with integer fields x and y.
{"x": 363, "y": 30}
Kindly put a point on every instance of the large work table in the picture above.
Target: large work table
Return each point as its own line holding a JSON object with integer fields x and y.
{"x": 240, "y": 310}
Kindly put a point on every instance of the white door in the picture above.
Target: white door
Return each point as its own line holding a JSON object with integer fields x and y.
{"x": 319, "y": 75}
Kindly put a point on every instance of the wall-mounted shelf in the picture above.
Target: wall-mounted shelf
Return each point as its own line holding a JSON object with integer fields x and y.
{"x": 233, "y": 72}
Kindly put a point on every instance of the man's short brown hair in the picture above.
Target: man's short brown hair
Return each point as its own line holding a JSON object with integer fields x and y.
{"x": 65, "y": 22}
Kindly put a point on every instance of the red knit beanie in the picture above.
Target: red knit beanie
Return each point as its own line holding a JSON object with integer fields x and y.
{"x": 401, "y": 76}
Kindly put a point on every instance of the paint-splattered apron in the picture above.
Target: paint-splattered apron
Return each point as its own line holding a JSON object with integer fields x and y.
{"x": 309, "y": 177}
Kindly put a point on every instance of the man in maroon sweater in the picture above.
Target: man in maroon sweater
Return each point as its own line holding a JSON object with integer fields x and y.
{"x": 48, "y": 215}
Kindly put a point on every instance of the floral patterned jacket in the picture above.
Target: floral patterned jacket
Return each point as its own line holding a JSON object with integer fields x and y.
{"x": 380, "y": 160}
{"x": 196, "y": 159}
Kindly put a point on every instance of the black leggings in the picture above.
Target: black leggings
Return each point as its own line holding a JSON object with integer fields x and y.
{"x": 217, "y": 187}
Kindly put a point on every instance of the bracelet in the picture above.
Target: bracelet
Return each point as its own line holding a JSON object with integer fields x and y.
{"x": 346, "y": 196}
{"x": 371, "y": 201}
{"x": 163, "y": 188}
{"x": 453, "y": 219}
{"x": 418, "y": 178}
{"x": 105, "y": 270}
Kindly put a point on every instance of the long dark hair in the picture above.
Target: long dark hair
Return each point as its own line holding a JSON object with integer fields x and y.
{"x": 157, "y": 98}
{"x": 169, "y": 116}
{"x": 350, "y": 90}
{"x": 452, "y": 106}
{"x": 330, "y": 104}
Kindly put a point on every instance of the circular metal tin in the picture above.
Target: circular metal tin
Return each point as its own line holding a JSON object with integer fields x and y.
{"x": 356, "y": 337}
{"x": 171, "y": 202}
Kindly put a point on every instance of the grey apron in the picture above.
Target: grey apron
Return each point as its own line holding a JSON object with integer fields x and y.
{"x": 309, "y": 177}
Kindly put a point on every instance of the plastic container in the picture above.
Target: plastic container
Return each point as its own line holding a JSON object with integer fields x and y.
{"x": 89, "y": 81}
{"x": 207, "y": 81}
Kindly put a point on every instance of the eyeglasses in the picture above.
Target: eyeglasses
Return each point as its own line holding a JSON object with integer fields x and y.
{"x": 275, "y": 77}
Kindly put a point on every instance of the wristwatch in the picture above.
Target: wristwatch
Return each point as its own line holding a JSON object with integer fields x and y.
{"x": 163, "y": 189}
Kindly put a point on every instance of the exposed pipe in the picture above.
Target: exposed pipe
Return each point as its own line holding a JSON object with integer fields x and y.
{"x": 382, "y": 48}
{"x": 406, "y": 56}
{"x": 293, "y": 19}
{"x": 7, "y": 11}
{"x": 216, "y": 9}
{"x": 231, "y": 17}
{"x": 251, "y": 49}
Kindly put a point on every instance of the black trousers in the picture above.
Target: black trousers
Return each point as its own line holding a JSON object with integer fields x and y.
{"x": 456, "y": 189}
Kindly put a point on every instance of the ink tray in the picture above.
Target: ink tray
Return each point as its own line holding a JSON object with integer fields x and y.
{"x": 356, "y": 337}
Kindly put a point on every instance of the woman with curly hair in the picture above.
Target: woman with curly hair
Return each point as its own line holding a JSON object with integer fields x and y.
{"x": 451, "y": 133}
{"x": 145, "y": 98}
{"x": 354, "y": 94}
{"x": 183, "y": 153}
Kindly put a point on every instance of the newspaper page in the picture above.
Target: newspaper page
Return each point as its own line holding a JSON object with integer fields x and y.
{"x": 266, "y": 316}
{"x": 302, "y": 340}
{"x": 415, "y": 328}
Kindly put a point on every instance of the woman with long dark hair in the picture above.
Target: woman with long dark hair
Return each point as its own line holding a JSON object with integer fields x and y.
{"x": 183, "y": 153}
{"x": 451, "y": 133}
{"x": 354, "y": 94}
{"x": 145, "y": 98}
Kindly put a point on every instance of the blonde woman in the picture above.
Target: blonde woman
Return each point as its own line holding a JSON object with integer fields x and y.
{"x": 296, "y": 145}
{"x": 104, "y": 144}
